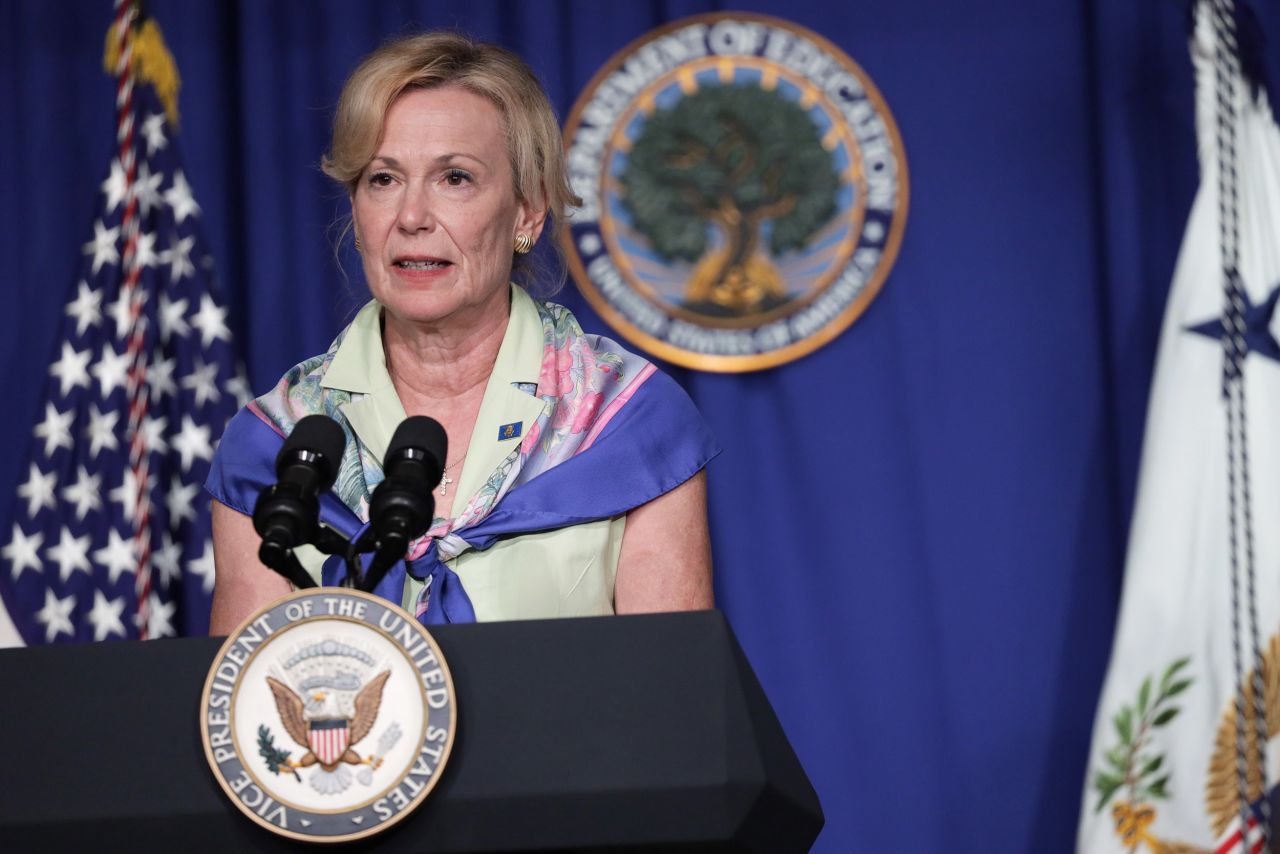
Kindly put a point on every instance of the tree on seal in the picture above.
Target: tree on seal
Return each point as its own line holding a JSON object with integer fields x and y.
{"x": 738, "y": 157}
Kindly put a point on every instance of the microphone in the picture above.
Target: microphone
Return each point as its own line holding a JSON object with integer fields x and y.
{"x": 287, "y": 514}
{"x": 401, "y": 507}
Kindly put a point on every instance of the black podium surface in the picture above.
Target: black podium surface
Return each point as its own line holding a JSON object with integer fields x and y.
{"x": 622, "y": 733}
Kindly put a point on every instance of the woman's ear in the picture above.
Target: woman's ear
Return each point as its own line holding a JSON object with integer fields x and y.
{"x": 530, "y": 221}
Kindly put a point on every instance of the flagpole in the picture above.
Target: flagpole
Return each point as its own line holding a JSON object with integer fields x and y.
{"x": 126, "y": 15}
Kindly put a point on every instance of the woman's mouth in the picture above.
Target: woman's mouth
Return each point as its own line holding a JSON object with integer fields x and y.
{"x": 419, "y": 263}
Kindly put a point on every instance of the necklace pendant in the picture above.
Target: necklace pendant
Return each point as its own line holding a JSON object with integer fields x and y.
{"x": 445, "y": 480}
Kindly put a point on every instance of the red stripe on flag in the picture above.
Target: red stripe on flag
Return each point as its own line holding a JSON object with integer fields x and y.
{"x": 1230, "y": 842}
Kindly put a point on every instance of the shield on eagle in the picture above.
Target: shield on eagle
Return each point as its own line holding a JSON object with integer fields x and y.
{"x": 328, "y": 739}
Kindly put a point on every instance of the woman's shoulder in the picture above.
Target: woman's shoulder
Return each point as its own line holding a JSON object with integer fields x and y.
{"x": 244, "y": 461}
{"x": 304, "y": 389}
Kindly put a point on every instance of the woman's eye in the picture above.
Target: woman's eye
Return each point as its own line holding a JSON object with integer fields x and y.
{"x": 456, "y": 178}
{"x": 379, "y": 179}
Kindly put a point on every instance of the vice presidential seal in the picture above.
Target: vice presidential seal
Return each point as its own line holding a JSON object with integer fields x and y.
{"x": 744, "y": 191}
{"x": 328, "y": 716}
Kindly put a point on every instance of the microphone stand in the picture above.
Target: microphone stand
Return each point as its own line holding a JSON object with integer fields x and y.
{"x": 286, "y": 563}
{"x": 330, "y": 542}
{"x": 387, "y": 552}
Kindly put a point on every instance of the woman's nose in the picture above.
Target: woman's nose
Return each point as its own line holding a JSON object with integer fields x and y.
{"x": 415, "y": 210}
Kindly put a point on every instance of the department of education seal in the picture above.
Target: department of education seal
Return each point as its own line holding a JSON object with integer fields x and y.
{"x": 328, "y": 715}
{"x": 744, "y": 191}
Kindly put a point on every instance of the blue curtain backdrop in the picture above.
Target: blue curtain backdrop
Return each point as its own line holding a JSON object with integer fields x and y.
{"x": 918, "y": 529}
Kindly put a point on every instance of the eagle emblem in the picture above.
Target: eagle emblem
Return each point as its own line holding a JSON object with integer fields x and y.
{"x": 353, "y": 709}
{"x": 327, "y": 706}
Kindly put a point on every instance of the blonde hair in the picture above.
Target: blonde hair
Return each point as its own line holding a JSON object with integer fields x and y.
{"x": 439, "y": 58}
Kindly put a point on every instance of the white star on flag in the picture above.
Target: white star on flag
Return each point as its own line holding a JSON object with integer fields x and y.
{"x": 153, "y": 432}
{"x": 192, "y": 442}
{"x": 165, "y": 559}
{"x": 238, "y": 388}
{"x": 70, "y": 554}
{"x": 101, "y": 431}
{"x": 203, "y": 567}
{"x": 126, "y": 494}
{"x": 112, "y": 370}
{"x": 120, "y": 315}
{"x": 180, "y": 199}
{"x": 56, "y": 615}
{"x": 153, "y": 133}
{"x": 178, "y": 257}
{"x": 160, "y": 379}
{"x": 203, "y": 382}
{"x": 86, "y": 308}
{"x": 105, "y": 616}
{"x": 71, "y": 369}
{"x": 119, "y": 556}
{"x": 159, "y": 617}
{"x": 211, "y": 321}
{"x": 23, "y": 552}
{"x": 85, "y": 493}
{"x": 55, "y": 429}
{"x": 181, "y": 501}
{"x": 114, "y": 187}
{"x": 146, "y": 250}
{"x": 103, "y": 246}
{"x": 171, "y": 317}
{"x": 38, "y": 489}
{"x": 147, "y": 188}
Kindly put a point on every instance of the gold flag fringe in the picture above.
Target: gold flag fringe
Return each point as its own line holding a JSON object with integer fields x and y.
{"x": 151, "y": 63}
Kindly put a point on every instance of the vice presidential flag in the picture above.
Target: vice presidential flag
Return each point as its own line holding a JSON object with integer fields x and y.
{"x": 1183, "y": 758}
{"x": 109, "y": 536}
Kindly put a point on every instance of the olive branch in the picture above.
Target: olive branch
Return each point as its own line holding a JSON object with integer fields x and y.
{"x": 274, "y": 756}
{"x": 1127, "y": 764}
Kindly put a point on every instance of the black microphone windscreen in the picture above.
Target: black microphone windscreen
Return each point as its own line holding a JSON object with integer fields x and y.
{"x": 423, "y": 433}
{"x": 320, "y": 435}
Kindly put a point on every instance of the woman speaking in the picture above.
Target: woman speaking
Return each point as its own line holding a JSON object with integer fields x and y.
{"x": 574, "y": 483}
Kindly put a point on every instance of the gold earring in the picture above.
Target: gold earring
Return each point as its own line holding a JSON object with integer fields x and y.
{"x": 359, "y": 247}
{"x": 523, "y": 244}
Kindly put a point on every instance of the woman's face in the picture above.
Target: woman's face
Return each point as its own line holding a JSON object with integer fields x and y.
{"x": 436, "y": 209}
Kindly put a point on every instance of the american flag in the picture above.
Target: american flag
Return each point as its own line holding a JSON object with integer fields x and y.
{"x": 109, "y": 537}
{"x": 1230, "y": 841}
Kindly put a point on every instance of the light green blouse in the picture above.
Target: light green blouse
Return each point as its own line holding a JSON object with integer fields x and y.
{"x": 563, "y": 573}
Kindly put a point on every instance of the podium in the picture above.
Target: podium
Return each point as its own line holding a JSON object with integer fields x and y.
{"x": 635, "y": 733}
